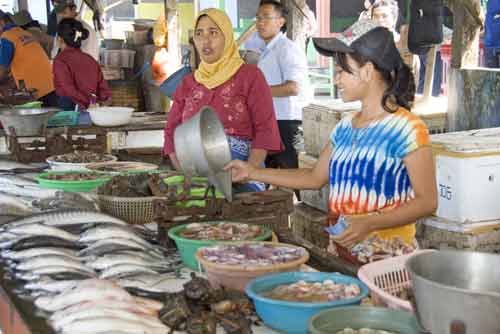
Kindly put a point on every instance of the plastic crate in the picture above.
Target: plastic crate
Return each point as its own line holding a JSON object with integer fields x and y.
{"x": 64, "y": 118}
{"x": 385, "y": 279}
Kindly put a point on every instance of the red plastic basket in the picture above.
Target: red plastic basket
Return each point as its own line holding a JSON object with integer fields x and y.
{"x": 387, "y": 278}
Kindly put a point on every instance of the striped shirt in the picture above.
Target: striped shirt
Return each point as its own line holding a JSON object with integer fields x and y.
{"x": 367, "y": 172}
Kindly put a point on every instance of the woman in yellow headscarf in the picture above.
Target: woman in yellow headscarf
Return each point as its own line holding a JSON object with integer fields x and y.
{"x": 237, "y": 92}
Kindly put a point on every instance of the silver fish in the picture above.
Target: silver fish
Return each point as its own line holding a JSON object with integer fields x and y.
{"x": 10, "y": 204}
{"x": 147, "y": 320}
{"x": 40, "y": 251}
{"x": 87, "y": 290}
{"x": 51, "y": 286}
{"x": 18, "y": 180}
{"x": 127, "y": 305}
{"x": 41, "y": 229}
{"x": 106, "y": 232}
{"x": 27, "y": 190}
{"x": 103, "y": 325}
{"x": 107, "y": 246}
{"x": 124, "y": 270}
{"x": 70, "y": 267}
{"x": 66, "y": 218}
{"x": 30, "y": 241}
{"x": 7, "y": 236}
{"x": 39, "y": 262}
{"x": 153, "y": 282}
{"x": 109, "y": 260}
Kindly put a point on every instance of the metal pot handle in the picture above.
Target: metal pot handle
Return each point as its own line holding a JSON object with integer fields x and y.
{"x": 457, "y": 327}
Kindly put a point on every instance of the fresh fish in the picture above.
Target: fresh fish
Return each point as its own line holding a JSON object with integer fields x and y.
{"x": 39, "y": 251}
{"x": 103, "y": 325}
{"x": 15, "y": 205}
{"x": 111, "y": 313}
{"x": 27, "y": 242}
{"x": 124, "y": 270}
{"x": 26, "y": 276}
{"x": 152, "y": 304}
{"x": 53, "y": 271}
{"x": 66, "y": 218}
{"x": 27, "y": 190}
{"x": 51, "y": 286}
{"x": 7, "y": 236}
{"x": 18, "y": 180}
{"x": 41, "y": 229}
{"x": 110, "y": 260}
{"x": 49, "y": 261}
{"x": 67, "y": 201}
{"x": 104, "y": 303}
{"x": 152, "y": 282}
{"x": 106, "y": 232}
{"x": 88, "y": 290}
{"x": 113, "y": 245}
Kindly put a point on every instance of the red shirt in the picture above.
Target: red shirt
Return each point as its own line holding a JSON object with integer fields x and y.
{"x": 77, "y": 75}
{"x": 244, "y": 105}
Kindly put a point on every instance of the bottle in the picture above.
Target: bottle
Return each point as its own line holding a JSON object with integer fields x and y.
{"x": 339, "y": 227}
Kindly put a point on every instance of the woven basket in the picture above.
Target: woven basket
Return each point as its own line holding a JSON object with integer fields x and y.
{"x": 125, "y": 94}
{"x": 134, "y": 210}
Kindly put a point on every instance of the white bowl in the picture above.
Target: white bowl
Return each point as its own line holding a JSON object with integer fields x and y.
{"x": 110, "y": 116}
{"x": 67, "y": 166}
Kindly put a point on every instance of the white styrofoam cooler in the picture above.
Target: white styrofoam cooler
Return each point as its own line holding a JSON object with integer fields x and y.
{"x": 468, "y": 175}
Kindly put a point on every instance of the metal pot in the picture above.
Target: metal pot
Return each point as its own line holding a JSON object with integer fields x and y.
{"x": 26, "y": 122}
{"x": 457, "y": 292}
{"x": 202, "y": 148}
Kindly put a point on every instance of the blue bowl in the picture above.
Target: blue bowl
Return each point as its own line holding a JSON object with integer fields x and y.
{"x": 293, "y": 317}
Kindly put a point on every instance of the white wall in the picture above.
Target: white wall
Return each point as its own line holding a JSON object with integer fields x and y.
{"x": 38, "y": 10}
{"x": 9, "y": 5}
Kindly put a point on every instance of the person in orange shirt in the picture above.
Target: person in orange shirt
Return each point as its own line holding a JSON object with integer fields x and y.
{"x": 25, "y": 59}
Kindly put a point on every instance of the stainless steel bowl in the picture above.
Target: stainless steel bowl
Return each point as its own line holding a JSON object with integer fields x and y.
{"x": 457, "y": 291}
{"x": 202, "y": 148}
{"x": 26, "y": 122}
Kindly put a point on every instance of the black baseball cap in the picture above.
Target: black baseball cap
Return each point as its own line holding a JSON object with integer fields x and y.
{"x": 366, "y": 38}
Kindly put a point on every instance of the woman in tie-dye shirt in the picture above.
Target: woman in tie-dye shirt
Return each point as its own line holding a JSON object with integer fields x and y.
{"x": 378, "y": 161}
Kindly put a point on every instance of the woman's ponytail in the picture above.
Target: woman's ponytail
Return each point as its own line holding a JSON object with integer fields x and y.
{"x": 401, "y": 87}
{"x": 72, "y": 32}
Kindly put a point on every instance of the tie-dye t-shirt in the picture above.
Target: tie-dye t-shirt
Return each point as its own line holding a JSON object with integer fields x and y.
{"x": 367, "y": 173}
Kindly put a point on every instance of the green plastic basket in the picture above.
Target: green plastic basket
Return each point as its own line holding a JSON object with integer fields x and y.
{"x": 29, "y": 105}
{"x": 178, "y": 180}
{"x": 357, "y": 317}
{"x": 64, "y": 118}
{"x": 71, "y": 186}
{"x": 188, "y": 247}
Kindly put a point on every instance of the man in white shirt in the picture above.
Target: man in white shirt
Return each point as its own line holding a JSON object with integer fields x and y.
{"x": 284, "y": 65}
{"x": 66, "y": 9}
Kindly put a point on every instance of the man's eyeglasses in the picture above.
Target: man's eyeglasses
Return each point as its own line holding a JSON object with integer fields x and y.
{"x": 265, "y": 18}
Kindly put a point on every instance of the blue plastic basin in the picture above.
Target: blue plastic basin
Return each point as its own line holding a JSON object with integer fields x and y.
{"x": 293, "y": 317}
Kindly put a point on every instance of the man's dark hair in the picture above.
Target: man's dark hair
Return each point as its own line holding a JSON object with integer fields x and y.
{"x": 278, "y": 8}
{"x": 5, "y": 17}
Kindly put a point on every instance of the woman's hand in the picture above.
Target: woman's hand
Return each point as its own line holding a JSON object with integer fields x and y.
{"x": 358, "y": 229}
{"x": 240, "y": 171}
{"x": 174, "y": 161}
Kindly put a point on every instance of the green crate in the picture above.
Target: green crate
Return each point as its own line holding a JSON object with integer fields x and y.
{"x": 64, "y": 118}
{"x": 29, "y": 105}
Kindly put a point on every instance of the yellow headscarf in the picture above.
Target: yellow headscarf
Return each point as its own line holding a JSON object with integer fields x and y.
{"x": 214, "y": 75}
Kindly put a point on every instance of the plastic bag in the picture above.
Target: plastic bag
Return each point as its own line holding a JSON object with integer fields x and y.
{"x": 160, "y": 32}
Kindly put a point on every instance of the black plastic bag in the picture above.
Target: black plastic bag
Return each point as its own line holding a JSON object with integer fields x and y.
{"x": 426, "y": 25}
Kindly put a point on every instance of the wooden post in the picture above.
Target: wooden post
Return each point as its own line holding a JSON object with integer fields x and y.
{"x": 296, "y": 20}
{"x": 429, "y": 72}
{"x": 23, "y": 4}
{"x": 467, "y": 24}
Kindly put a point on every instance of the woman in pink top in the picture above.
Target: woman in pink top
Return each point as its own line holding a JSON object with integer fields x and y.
{"x": 237, "y": 92}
